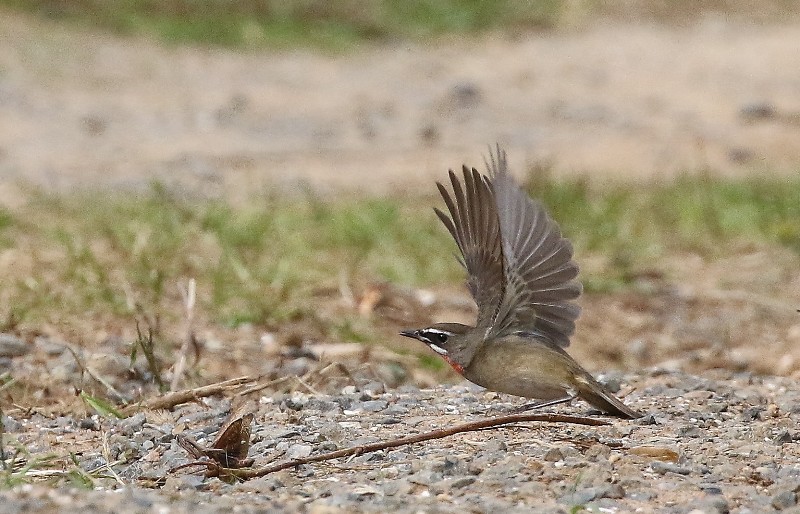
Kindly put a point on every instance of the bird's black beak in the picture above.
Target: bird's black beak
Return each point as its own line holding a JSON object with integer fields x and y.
{"x": 413, "y": 334}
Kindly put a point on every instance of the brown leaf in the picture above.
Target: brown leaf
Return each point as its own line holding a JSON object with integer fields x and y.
{"x": 655, "y": 452}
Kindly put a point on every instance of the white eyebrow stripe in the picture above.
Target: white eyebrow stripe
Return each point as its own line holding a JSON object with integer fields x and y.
{"x": 437, "y": 331}
{"x": 438, "y": 349}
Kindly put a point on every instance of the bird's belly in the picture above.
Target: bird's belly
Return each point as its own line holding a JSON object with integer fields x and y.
{"x": 536, "y": 375}
{"x": 525, "y": 386}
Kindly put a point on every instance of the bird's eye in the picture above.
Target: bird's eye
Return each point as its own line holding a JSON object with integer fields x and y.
{"x": 441, "y": 337}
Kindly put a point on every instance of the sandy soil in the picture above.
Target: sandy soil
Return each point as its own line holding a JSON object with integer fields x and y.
{"x": 82, "y": 109}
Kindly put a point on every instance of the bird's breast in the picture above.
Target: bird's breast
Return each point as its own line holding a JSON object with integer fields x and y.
{"x": 521, "y": 367}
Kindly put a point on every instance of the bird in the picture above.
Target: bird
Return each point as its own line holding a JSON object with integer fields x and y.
{"x": 523, "y": 278}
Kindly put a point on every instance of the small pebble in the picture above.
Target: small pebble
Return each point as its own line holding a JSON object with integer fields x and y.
{"x": 295, "y": 403}
{"x": 642, "y": 496}
{"x": 713, "y": 505}
{"x": 388, "y": 421}
{"x": 612, "y": 383}
{"x": 784, "y": 500}
{"x": 458, "y": 483}
{"x": 663, "y": 468}
{"x": 395, "y": 410}
{"x": 299, "y": 451}
{"x": 597, "y": 452}
{"x": 614, "y": 491}
{"x": 374, "y": 388}
{"x": 184, "y": 482}
{"x": 690, "y": 431}
{"x": 374, "y": 405}
{"x": 11, "y": 425}
{"x": 662, "y": 453}
{"x": 711, "y": 489}
{"x": 13, "y": 346}
{"x": 751, "y": 413}
{"x": 553, "y": 455}
{"x": 647, "y": 419}
{"x": 581, "y": 496}
{"x": 89, "y": 424}
{"x": 717, "y": 407}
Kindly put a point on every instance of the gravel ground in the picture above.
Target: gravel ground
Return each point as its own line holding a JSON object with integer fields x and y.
{"x": 723, "y": 442}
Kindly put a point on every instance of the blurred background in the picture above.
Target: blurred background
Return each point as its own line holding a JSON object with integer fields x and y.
{"x": 283, "y": 156}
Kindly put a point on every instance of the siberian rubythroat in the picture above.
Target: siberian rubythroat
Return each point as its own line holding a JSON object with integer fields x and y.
{"x": 523, "y": 279}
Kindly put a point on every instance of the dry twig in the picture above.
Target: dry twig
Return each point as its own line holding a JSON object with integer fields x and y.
{"x": 245, "y": 474}
{"x": 89, "y": 371}
{"x": 174, "y": 398}
{"x": 259, "y": 387}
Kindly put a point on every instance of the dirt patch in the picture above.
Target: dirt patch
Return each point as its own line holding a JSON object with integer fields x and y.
{"x": 632, "y": 101}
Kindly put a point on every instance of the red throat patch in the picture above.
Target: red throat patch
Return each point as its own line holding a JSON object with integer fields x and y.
{"x": 456, "y": 366}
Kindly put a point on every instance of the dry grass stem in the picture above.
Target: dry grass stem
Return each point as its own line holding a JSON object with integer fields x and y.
{"x": 190, "y": 341}
{"x": 173, "y": 398}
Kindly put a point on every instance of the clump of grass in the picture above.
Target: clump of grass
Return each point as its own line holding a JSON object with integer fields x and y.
{"x": 343, "y": 24}
{"x": 18, "y": 466}
{"x": 633, "y": 226}
{"x": 102, "y": 257}
{"x": 258, "y": 263}
{"x": 319, "y": 23}
{"x": 25, "y": 468}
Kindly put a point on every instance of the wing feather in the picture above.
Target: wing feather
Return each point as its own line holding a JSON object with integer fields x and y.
{"x": 520, "y": 268}
{"x": 474, "y": 224}
{"x": 539, "y": 273}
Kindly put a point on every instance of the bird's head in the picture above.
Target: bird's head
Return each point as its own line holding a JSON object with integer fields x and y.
{"x": 447, "y": 339}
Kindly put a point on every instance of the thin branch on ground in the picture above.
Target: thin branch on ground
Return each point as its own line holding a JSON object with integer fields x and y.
{"x": 307, "y": 386}
{"x": 109, "y": 462}
{"x": 105, "y": 383}
{"x": 472, "y": 426}
{"x": 342, "y": 369}
{"x": 89, "y": 371}
{"x": 171, "y": 399}
{"x": 262, "y": 386}
{"x": 303, "y": 381}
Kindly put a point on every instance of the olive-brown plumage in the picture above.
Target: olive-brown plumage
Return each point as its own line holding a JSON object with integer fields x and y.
{"x": 523, "y": 279}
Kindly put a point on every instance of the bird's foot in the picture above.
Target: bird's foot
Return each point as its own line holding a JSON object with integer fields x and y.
{"x": 539, "y": 405}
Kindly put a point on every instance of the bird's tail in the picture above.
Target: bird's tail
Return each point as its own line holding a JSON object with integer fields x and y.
{"x": 601, "y": 398}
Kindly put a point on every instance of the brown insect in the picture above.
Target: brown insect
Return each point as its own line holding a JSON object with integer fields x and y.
{"x": 232, "y": 443}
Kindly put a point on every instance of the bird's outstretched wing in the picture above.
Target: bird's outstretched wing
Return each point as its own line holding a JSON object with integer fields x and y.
{"x": 474, "y": 224}
{"x": 539, "y": 273}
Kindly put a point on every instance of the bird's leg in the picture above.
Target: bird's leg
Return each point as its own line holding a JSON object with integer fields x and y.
{"x": 540, "y": 405}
